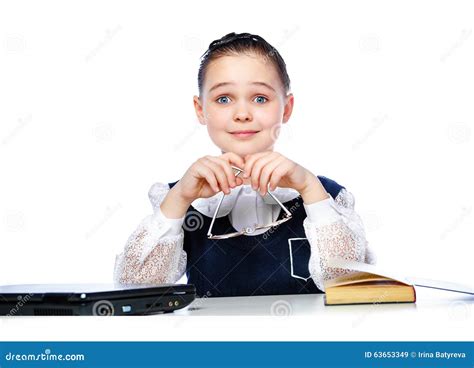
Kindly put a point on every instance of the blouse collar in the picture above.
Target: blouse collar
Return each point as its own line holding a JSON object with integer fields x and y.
{"x": 207, "y": 206}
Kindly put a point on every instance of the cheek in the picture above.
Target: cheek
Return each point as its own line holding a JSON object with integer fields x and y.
{"x": 217, "y": 126}
{"x": 269, "y": 117}
{"x": 217, "y": 119}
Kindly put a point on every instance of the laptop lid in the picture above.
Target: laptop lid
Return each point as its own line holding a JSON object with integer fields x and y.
{"x": 94, "y": 299}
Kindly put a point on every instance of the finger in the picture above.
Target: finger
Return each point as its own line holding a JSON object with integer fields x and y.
{"x": 278, "y": 174}
{"x": 239, "y": 180}
{"x": 219, "y": 173}
{"x": 266, "y": 172}
{"x": 250, "y": 160}
{"x": 227, "y": 169}
{"x": 233, "y": 158}
{"x": 206, "y": 173}
{"x": 258, "y": 166}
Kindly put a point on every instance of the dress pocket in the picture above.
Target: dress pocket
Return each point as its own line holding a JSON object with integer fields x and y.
{"x": 299, "y": 253}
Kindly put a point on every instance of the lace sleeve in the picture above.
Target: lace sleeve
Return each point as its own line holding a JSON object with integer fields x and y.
{"x": 335, "y": 230}
{"x": 154, "y": 251}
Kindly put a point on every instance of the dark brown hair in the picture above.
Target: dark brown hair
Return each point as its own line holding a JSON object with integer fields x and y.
{"x": 239, "y": 43}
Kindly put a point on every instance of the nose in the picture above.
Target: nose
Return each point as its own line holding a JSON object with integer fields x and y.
{"x": 242, "y": 114}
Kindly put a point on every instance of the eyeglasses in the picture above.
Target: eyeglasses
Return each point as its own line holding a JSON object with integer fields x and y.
{"x": 247, "y": 230}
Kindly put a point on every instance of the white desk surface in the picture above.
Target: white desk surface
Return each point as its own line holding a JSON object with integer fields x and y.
{"x": 436, "y": 315}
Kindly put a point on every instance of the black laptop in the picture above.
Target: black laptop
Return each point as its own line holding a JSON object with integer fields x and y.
{"x": 93, "y": 299}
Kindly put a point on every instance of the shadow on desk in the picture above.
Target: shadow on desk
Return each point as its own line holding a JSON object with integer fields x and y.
{"x": 313, "y": 304}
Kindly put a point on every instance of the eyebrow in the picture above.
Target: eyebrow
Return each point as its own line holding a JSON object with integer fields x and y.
{"x": 223, "y": 84}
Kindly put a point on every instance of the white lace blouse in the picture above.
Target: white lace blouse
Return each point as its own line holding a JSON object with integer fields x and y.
{"x": 154, "y": 251}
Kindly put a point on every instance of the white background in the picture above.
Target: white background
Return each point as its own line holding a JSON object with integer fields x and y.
{"x": 96, "y": 106}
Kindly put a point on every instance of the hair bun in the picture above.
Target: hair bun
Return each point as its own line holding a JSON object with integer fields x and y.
{"x": 230, "y": 37}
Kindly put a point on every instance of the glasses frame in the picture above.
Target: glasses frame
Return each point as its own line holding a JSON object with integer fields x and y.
{"x": 247, "y": 230}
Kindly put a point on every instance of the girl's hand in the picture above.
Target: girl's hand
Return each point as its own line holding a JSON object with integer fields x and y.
{"x": 273, "y": 168}
{"x": 208, "y": 176}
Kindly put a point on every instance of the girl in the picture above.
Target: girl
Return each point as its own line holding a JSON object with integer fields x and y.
{"x": 243, "y": 100}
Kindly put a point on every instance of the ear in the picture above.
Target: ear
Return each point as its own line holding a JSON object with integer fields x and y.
{"x": 290, "y": 100}
{"x": 199, "y": 110}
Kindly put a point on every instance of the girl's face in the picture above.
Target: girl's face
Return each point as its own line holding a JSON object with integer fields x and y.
{"x": 243, "y": 104}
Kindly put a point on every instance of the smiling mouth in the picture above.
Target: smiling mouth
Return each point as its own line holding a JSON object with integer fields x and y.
{"x": 244, "y": 133}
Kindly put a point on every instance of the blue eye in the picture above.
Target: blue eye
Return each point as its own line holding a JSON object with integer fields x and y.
{"x": 223, "y": 97}
{"x": 259, "y": 100}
